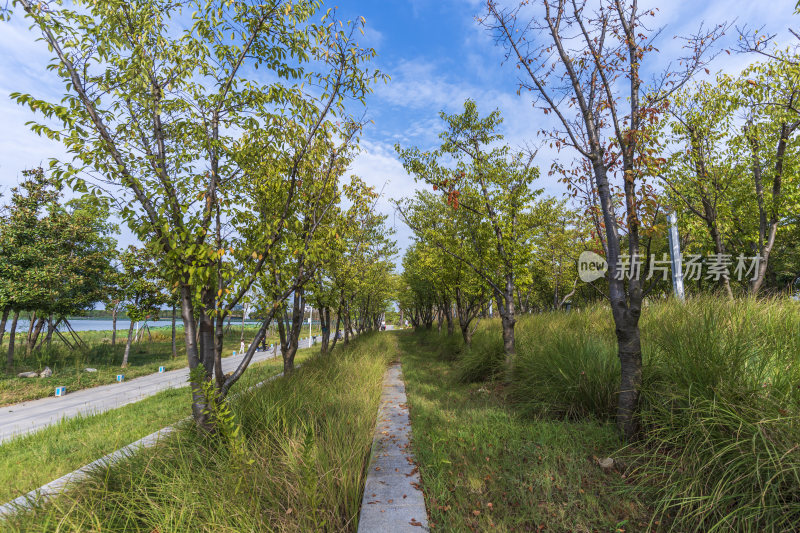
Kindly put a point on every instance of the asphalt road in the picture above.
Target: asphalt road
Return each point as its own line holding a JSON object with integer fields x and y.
{"x": 27, "y": 417}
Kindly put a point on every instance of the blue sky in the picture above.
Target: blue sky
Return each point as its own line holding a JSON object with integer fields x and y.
{"x": 436, "y": 55}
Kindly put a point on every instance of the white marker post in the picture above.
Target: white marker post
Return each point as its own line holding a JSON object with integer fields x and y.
{"x": 675, "y": 257}
{"x": 310, "y": 314}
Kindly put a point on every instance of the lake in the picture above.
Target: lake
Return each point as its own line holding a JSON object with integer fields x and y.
{"x": 104, "y": 324}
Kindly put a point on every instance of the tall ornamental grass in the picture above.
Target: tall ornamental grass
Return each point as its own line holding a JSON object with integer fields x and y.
{"x": 719, "y": 448}
{"x": 291, "y": 457}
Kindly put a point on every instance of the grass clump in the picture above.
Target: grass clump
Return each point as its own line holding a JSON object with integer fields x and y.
{"x": 306, "y": 439}
{"x": 567, "y": 366}
{"x": 483, "y": 360}
{"x": 721, "y": 415}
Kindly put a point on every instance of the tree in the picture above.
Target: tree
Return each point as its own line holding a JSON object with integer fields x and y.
{"x": 770, "y": 96}
{"x": 491, "y": 184}
{"x": 553, "y": 271}
{"x": 25, "y": 246}
{"x": 171, "y": 119}
{"x": 418, "y": 292}
{"x": 56, "y": 258}
{"x": 702, "y": 174}
{"x": 584, "y": 66}
{"x": 140, "y": 290}
{"x": 356, "y": 230}
{"x": 737, "y": 142}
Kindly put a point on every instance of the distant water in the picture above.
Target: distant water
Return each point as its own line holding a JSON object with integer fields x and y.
{"x": 93, "y": 324}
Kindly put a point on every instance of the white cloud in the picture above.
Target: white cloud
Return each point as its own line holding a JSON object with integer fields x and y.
{"x": 372, "y": 38}
{"x": 420, "y": 84}
{"x": 23, "y": 63}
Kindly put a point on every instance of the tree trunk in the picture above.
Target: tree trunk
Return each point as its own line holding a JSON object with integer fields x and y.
{"x": 32, "y": 338}
{"x": 448, "y": 315}
{"x": 626, "y": 320}
{"x": 508, "y": 321}
{"x": 191, "y": 335}
{"x": 3, "y": 325}
{"x": 207, "y": 334}
{"x": 505, "y": 305}
{"x": 325, "y": 329}
{"x": 282, "y": 342}
{"x": 241, "y": 337}
{"x": 346, "y": 327}
{"x": 219, "y": 339}
{"x": 719, "y": 247}
{"x": 768, "y": 228}
{"x": 11, "y": 341}
{"x": 114, "y": 312}
{"x": 336, "y": 330}
{"x": 289, "y": 350}
{"x": 128, "y": 345}
{"x": 466, "y": 333}
{"x": 174, "y": 348}
{"x": 31, "y": 324}
{"x": 51, "y": 327}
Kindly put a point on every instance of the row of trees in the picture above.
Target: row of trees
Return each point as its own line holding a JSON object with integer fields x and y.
{"x": 222, "y": 141}
{"x": 484, "y": 234}
{"x": 722, "y": 154}
{"x": 731, "y": 170}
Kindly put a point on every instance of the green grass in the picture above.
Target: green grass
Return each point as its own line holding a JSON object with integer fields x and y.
{"x": 485, "y": 467}
{"x": 720, "y": 406}
{"x": 31, "y": 461}
{"x": 297, "y": 463}
{"x": 68, "y": 365}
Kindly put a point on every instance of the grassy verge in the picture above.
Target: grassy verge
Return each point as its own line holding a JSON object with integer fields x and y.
{"x": 68, "y": 365}
{"x": 486, "y": 467}
{"x": 31, "y": 461}
{"x": 719, "y": 410}
{"x": 296, "y": 464}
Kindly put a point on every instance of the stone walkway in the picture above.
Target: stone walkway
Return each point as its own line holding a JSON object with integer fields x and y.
{"x": 393, "y": 500}
{"x": 27, "y": 417}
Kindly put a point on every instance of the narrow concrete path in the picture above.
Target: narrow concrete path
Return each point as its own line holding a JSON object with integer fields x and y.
{"x": 393, "y": 500}
{"x": 28, "y": 417}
